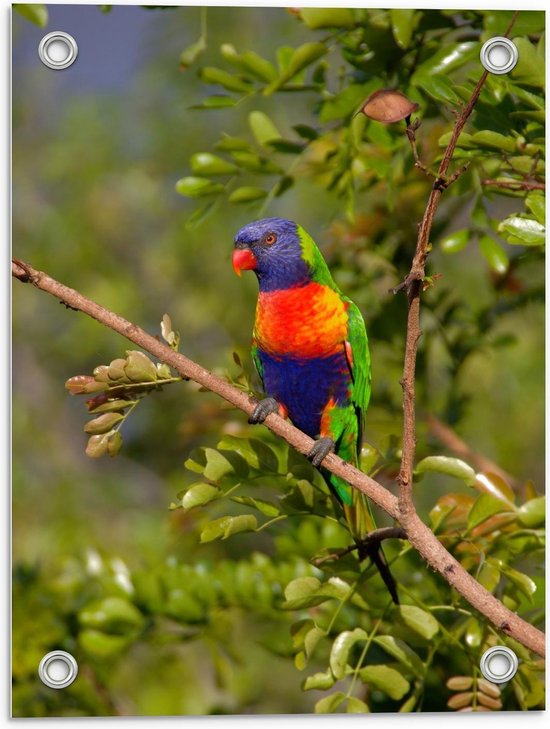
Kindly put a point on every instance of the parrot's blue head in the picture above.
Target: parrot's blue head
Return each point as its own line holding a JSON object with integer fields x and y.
{"x": 272, "y": 248}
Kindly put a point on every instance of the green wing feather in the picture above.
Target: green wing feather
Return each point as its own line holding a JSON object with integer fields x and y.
{"x": 356, "y": 506}
{"x": 257, "y": 363}
{"x": 360, "y": 364}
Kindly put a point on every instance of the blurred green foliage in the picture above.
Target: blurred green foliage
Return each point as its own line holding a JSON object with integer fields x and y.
{"x": 190, "y": 575}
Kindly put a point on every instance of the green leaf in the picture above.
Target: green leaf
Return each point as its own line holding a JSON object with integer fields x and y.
{"x": 301, "y": 58}
{"x": 198, "y": 187}
{"x": 419, "y": 620}
{"x": 213, "y": 75}
{"x": 246, "y": 194}
{"x": 403, "y": 25}
{"x": 309, "y": 133}
{"x": 447, "y": 58}
{"x": 494, "y": 140}
{"x": 101, "y": 646}
{"x": 256, "y": 163}
{"x": 103, "y": 423}
{"x": 484, "y": 506}
{"x": 36, "y": 13}
{"x": 450, "y": 466}
{"x": 473, "y": 634}
{"x": 205, "y": 163}
{"x": 345, "y": 103}
{"x": 263, "y": 129}
{"x": 329, "y": 704}
{"x": 492, "y": 483}
{"x": 494, "y": 254}
{"x": 403, "y": 653}
{"x": 522, "y": 231}
{"x": 226, "y": 526}
{"x": 231, "y": 144}
{"x": 250, "y": 62}
{"x": 284, "y": 184}
{"x": 341, "y": 648}
{"x": 529, "y": 69}
{"x": 199, "y": 494}
{"x": 496, "y": 22}
{"x": 286, "y": 146}
{"x": 111, "y": 615}
{"x": 219, "y": 465}
{"x": 535, "y": 202}
{"x": 386, "y": 679}
{"x": 319, "y": 681}
{"x": 215, "y": 101}
{"x": 256, "y": 453}
{"x": 265, "y": 507}
{"x": 316, "y": 18}
{"x": 438, "y": 86}
{"x": 356, "y": 706}
{"x": 489, "y": 576}
{"x": 522, "y": 581}
{"x": 301, "y": 587}
{"x": 256, "y": 65}
{"x": 533, "y": 513}
{"x": 455, "y": 242}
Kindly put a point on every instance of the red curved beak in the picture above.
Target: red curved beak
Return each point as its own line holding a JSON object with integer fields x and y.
{"x": 243, "y": 260}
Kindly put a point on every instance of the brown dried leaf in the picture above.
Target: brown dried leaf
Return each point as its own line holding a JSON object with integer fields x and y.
{"x": 388, "y": 106}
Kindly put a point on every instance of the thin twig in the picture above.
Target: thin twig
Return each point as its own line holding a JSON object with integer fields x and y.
{"x": 514, "y": 184}
{"x": 375, "y": 537}
{"x": 418, "y": 534}
{"x": 412, "y": 285}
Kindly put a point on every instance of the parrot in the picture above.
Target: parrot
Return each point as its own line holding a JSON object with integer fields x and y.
{"x": 311, "y": 352}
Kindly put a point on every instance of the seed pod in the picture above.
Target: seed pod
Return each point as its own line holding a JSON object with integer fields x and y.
{"x": 460, "y": 683}
{"x": 101, "y": 373}
{"x": 97, "y": 446}
{"x": 458, "y": 701}
{"x": 114, "y": 444}
{"x": 388, "y": 106}
{"x": 489, "y": 701}
{"x": 139, "y": 368}
{"x": 108, "y": 406}
{"x": 488, "y": 688}
{"x": 77, "y": 385}
{"x": 116, "y": 370}
{"x": 474, "y": 708}
{"x": 103, "y": 424}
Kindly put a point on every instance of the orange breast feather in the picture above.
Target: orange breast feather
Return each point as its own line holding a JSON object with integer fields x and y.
{"x": 306, "y": 321}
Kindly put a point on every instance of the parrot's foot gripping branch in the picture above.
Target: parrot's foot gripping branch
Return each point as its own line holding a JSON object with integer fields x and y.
{"x": 320, "y": 450}
{"x": 264, "y": 408}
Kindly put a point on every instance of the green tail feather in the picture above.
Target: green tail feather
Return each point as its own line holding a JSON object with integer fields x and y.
{"x": 358, "y": 513}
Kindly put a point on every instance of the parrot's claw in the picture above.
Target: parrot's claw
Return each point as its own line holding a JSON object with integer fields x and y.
{"x": 321, "y": 449}
{"x": 264, "y": 408}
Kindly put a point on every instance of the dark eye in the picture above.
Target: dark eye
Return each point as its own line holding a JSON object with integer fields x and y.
{"x": 270, "y": 239}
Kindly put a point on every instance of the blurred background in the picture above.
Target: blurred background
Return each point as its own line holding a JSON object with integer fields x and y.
{"x": 97, "y": 151}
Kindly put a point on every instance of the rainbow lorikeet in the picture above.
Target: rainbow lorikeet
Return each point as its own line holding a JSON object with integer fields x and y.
{"x": 311, "y": 351}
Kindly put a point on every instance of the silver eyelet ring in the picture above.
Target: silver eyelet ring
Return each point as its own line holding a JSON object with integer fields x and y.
{"x": 499, "y": 664}
{"x": 499, "y": 55}
{"x": 58, "y": 50}
{"x": 58, "y": 669}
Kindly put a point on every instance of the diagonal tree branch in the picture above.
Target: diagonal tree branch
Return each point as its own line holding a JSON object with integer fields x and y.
{"x": 419, "y": 535}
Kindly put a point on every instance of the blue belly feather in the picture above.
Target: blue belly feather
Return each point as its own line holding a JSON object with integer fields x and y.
{"x": 305, "y": 386}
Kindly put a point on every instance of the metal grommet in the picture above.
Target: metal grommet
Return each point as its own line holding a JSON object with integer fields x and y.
{"x": 58, "y": 669}
{"x": 499, "y": 664}
{"x": 499, "y": 55}
{"x": 58, "y": 50}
